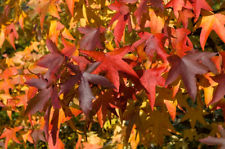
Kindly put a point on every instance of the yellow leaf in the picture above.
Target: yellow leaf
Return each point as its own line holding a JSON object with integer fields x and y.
{"x": 52, "y": 10}
{"x": 54, "y": 30}
{"x": 208, "y": 93}
{"x": 109, "y": 46}
{"x": 84, "y": 11}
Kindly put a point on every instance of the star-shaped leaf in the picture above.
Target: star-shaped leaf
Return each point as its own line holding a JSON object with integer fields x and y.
{"x": 209, "y": 22}
{"x": 85, "y": 93}
{"x": 10, "y": 134}
{"x": 189, "y": 66}
{"x": 111, "y": 63}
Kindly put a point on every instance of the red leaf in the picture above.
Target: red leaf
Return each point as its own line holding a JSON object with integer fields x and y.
{"x": 123, "y": 18}
{"x": 54, "y": 122}
{"x": 52, "y": 61}
{"x": 198, "y": 5}
{"x": 110, "y": 68}
{"x": 12, "y": 34}
{"x": 184, "y": 16}
{"x": 189, "y": 66}
{"x": 142, "y": 9}
{"x": 181, "y": 43}
{"x": 153, "y": 43}
{"x": 68, "y": 49}
{"x": 39, "y": 101}
{"x": 150, "y": 79}
{"x": 171, "y": 108}
{"x": 85, "y": 93}
{"x": 177, "y": 6}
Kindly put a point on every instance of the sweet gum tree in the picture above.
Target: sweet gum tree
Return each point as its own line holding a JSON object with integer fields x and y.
{"x": 112, "y": 73}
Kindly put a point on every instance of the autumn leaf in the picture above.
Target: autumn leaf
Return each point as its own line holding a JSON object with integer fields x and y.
{"x": 171, "y": 107}
{"x": 27, "y": 137}
{"x": 10, "y": 134}
{"x": 39, "y": 101}
{"x": 181, "y": 43}
{"x": 220, "y": 90}
{"x": 153, "y": 43}
{"x": 103, "y": 106}
{"x": 188, "y": 67}
{"x": 66, "y": 34}
{"x": 54, "y": 30}
{"x": 157, "y": 21}
{"x": 85, "y": 93}
{"x": 37, "y": 135}
{"x": 123, "y": 17}
{"x": 150, "y": 79}
{"x": 91, "y": 39}
{"x": 68, "y": 49}
{"x": 209, "y": 22}
{"x": 110, "y": 68}
{"x": 70, "y": 4}
{"x": 11, "y": 34}
{"x": 38, "y": 83}
{"x": 142, "y": 9}
{"x": 198, "y": 5}
{"x": 5, "y": 77}
{"x": 44, "y": 7}
{"x": 52, "y": 61}
{"x": 177, "y": 6}
{"x": 184, "y": 16}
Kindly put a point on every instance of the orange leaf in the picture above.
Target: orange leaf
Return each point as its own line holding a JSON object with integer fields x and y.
{"x": 211, "y": 22}
{"x": 66, "y": 34}
{"x": 70, "y": 4}
{"x": 10, "y": 134}
{"x": 171, "y": 106}
{"x": 208, "y": 93}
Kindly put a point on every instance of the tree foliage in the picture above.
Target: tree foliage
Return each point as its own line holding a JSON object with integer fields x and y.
{"x": 112, "y": 73}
